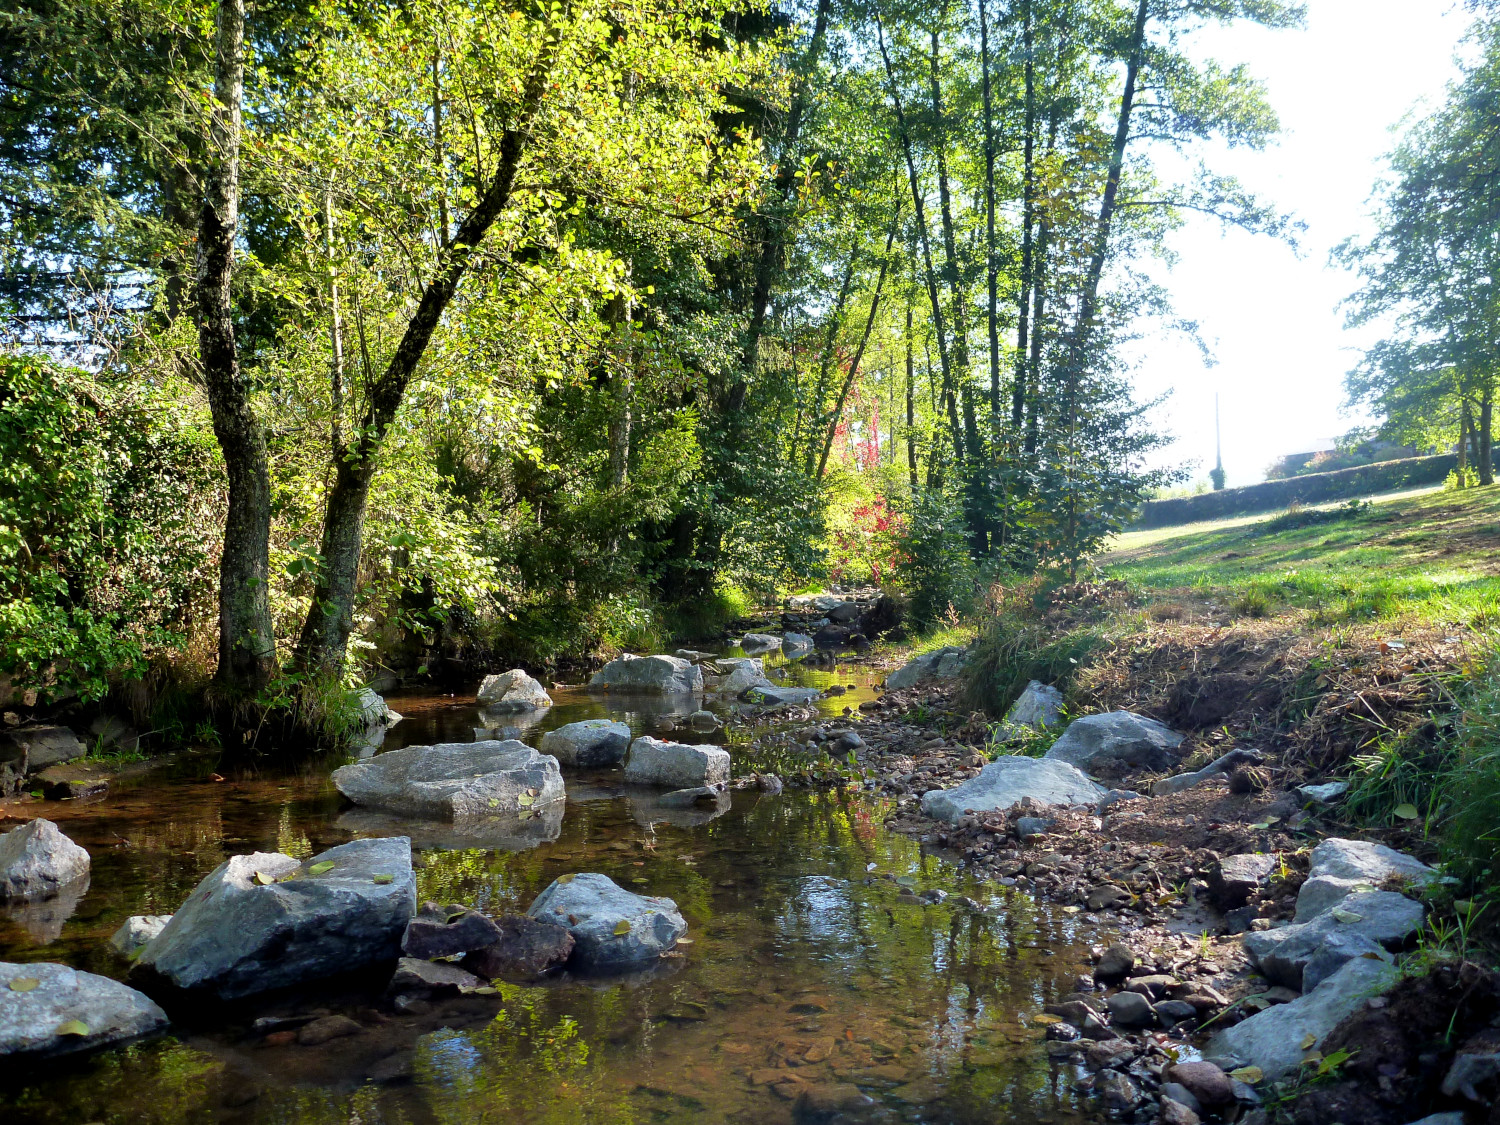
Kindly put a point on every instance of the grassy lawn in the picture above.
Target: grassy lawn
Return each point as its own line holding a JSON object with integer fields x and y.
{"x": 1431, "y": 557}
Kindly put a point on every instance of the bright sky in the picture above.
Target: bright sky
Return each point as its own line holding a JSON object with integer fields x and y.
{"x": 1270, "y": 316}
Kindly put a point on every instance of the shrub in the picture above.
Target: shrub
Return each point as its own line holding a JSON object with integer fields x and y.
{"x": 935, "y": 567}
{"x": 1014, "y": 646}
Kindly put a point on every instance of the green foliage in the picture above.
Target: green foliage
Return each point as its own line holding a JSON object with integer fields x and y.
{"x": 103, "y": 544}
{"x": 1460, "y": 479}
{"x": 935, "y": 567}
{"x": 1014, "y": 646}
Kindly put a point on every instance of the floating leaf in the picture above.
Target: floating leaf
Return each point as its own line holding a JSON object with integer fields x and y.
{"x": 263, "y": 879}
{"x": 321, "y": 868}
{"x": 72, "y": 1027}
{"x": 622, "y": 927}
{"x": 1046, "y": 1018}
{"x": 563, "y": 880}
{"x": 383, "y": 880}
{"x": 1308, "y": 1040}
{"x": 1262, "y": 825}
{"x": 1407, "y": 812}
{"x": 1249, "y": 1075}
{"x": 23, "y": 984}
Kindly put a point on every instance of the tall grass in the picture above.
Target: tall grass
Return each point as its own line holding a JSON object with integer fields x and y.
{"x": 1015, "y": 646}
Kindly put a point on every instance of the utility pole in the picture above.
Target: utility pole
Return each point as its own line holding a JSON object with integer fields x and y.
{"x": 1217, "y": 476}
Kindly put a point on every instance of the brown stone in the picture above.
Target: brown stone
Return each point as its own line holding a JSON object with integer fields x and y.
{"x": 1210, "y": 1085}
{"x": 328, "y": 1028}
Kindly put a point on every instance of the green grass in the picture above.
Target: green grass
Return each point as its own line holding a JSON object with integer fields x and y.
{"x": 1432, "y": 557}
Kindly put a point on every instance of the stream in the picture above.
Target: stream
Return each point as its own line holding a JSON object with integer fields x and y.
{"x": 810, "y": 968}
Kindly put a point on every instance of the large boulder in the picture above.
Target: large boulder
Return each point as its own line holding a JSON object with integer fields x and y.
{"x": 264, "y": 921}
{"x": 1277, "y": 1039}
{"x": 940, "y": 664}
{"x": 1007, "y": 781}
{"x": 1362, "y": 922}
{"x": 1340, "y": 866}
{"x": 675, "y": 765}
{"x": 589, "y": 744}
{"x": 44, "y": 746}
{"x": 512, "y": 691}
{"x": 664, "y": 675}
{"x": 1117, "y": 736}
{"x": 48, "y": 1009}
{"x": 455, "y": 780}
{"x": 741, "y": 673}
{"x": 37, "y": 861}
{"x": 611, "y": 927}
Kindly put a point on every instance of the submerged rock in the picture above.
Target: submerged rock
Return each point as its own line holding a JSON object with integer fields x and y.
{"x": 456, "y": 780}
{"x": 589, "y": 744}
{"x": 1277, "y": 1039}
{"x": 1340, "y": 866}
{"x": 940, "y": 664}
{"x": 527, "y": 948}
{"x": 1007, "y": 781}
{"x": 611, "y": 927}
{"x": 675, "y": 765}
{"x": 264, "y": 921}
{"x": 1117, "y": 736}
{"x": 136, "y": 931}
{"x": 512, "y": 691}
{"x": 37, "y": 861}
{"x": 666, "y": 675}
{"x": 48, "y": 1009}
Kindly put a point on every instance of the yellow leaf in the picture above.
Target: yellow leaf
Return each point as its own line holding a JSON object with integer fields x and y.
{"x": 565, "y": 879}
{"x": 383, "y": 880}
{"x": 1249, "y": 1075}
{"x": 526, "y": 800}
{"x": 684, "y": 941}
{"x": 263, "y": 879}
{"x": 321, "y": 868}
{"x": 622, "y": 927}
{"x": 72, "y": 1027}
{"x": 1308, "y": 1040}
{"x": 1045, "y": 1018}
{"x": 23, "y": 984}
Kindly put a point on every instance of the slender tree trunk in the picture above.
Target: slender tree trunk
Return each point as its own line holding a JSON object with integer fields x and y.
{"x": 991, "y": 262}
{"x": 825, "y": 362}
{"x": 247, "y": 647}
{"x": 1486, "y": 443}
{"x": 1466, "y": 440}
{"x": 1028, "y": 220}
{"x": 911, "y": 404}
{"x": 622, "y": 387}
{"x": 335, "y": 334}
{"x": 924, "y": 235}
{"x": 330, "y": 618}
{"x": 437, "y": 139}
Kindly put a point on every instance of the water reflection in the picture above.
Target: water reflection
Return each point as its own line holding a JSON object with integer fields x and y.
{"x": 806, "y": 970}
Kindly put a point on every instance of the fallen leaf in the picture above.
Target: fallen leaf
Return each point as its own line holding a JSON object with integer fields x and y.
{"x": 1308, "y": 1040}
{"x": 1346, "y": 916}
{"x": 494, "y": 803}
{"x": 23, "y": 984}
{"x": 526, "y": 800}
{"x": 684, "y": 941}
{"x": 321, "y": 868}
{"x": 263, "y": 879}
{"x": 622, "y": 927}
{"x": 562, "y": 879}
{"x": 383, "y": 880}
{"x": 72, "y": 1027}
{"x": 1046, "y": 1018}
{"x": 1249, "y": 1075}
{"x": 1406, "y": 812}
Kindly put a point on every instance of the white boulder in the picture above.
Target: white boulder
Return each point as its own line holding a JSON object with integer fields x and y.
{"x": 675, "y": 765}
{"x": 1008, "y": 780}
{"x": 455, "y": 780}
{"x": 512, "y": 691}
{"x": 612, "y": 928}
{"x": 48, "y": 1009}
{"x": 1117, "y": 736}
{"x": 37, "y": 861}
{"x": 665, "y": 675}
{"x": 1038, "y": 707}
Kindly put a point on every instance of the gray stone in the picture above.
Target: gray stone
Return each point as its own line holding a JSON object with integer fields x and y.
{"x": 1038, "y": 707}
{"x": 843, "y": 613}
{"x": 1118, "y": 1091}
{"x": 1340, "y": 866}
{"x": 528, "y": 947}
{"x": 1383, "y": 918}
{"x": 1476, "y": 1064}
{"x": 1235, "y": 878}
{"x": 46, "y": 746}
{"x": 1180, "y": 1094}
{"x": 1207, "y": 1083}
{"x": 759, "y": 642}
{"x": 1334, "y": 952}
{"x": 1117, "y": 736}
{"x": 705, "y": 722}
{"x": 454, "y": 780}
{"x": 264, "y": 921}
{"x": 1029, "y": 826}
{"x": 675, "y": 765}
{"x": 687, "y": 798}
{"x": 662, "y": 675}
{"x": 373, "y": 711}
{"x": 1008, "y": 780}
{"x": 742, "y": 672}
{"x": 589, "y": 744}
{"x": 611, "y": 927}
{"x": 943, "y": 663}
{"x": 848, "y": 740}
{"x": 32, "y": 1019}
{"x": 512, "y": 691}
{"x": 37, "y": 861}
{"x": 1272, "y": 1040}
{"x": 795, "y": 642}
{"x": 136, "y": 931}
{"x": 447, "y": 931}
{"x": 1130, "y": 1009}
{"x": 1324, "y": 794}
{"x": 413, "y": 974}
{"x": 1116, "y": 961}
{"x": 776, "y": 695}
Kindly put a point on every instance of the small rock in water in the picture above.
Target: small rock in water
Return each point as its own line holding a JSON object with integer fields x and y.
{"x": 675, "y": 765}
{"x": 512, "y": 691}
{"x": 1116, "y": 962}
{"x": 136, "y": 931}
{"x": 612, "y": 928}
{"x": 48, "y": 1009}
{"x": 424, "y": 977}
{"x": 589, "y": 744}
{"x": 326, "y": 1030}
{"x": 446, "y": 931}
{"x": 37, "y": 861}
{"x": 1207, "y": 1082}
{"x": 769, "y": 783}
{"x": 528, "y": 947}
{"x": 1130, "y": 1009}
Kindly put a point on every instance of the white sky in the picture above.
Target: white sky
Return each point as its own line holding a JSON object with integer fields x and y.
{"x": 1270, "y": 316}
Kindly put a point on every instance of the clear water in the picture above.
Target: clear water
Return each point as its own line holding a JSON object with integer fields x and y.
{"x": 809, "y": 966}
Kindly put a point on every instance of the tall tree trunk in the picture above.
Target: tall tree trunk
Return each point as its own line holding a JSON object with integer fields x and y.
{"x": 1486, "y": 443}
{"x": 330, "y": 618}
{"x": 925, "y": 237}
{"x": 991, "y": 262}
{"x": 911, "y": 404}
{"x": 1028, "y": 220}
{"x": 622, "y": 387}
{"x": 1466, "y": 439}
{"x": 247, "y": 647}
{"x": 825, "y": 363}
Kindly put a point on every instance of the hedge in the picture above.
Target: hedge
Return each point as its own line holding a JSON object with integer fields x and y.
{"x": 1314, "y": 488}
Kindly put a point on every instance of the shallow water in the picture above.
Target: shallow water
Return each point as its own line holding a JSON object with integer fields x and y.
{"x": 806, "y": 966}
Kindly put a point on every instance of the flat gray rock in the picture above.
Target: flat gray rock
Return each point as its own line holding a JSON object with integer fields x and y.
{"x": 776, "y": 695}
{"x": 759, "y": 642}
{"x": 512, "y": 691}
{"x": 675, "y": 765}
{"x": 1272, "y": 1039}
{"x": 454, "y": 780}
{"x": 1008, "y": 780}
{"x": 136, "y": 931}
{"x": 1324, "y": 794}
{"x": 1338, "y": 866}
{"x": 611, "y": 927}
{"x": 45, "y": 746}
{"x": 66, "y": 1011}
{"x": 264, "y": 921}
{"x": 661, "y": 675}
{"x": 37, "y": 861}
{"x": 1117, "y": 736}
{"x": 1038, "y": 707}
{"x": 795, "y": 642}
{"x": 940, "y": 664}
{"x": 589, "y": 744}
{"x": 1383, "y": 918}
